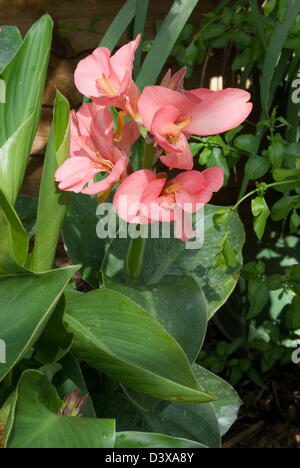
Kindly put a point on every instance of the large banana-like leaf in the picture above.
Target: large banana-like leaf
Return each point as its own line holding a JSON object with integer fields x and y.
{"x": 24, "y": 80}
{"x": 26, "y": 304}
{"x": 36, "y": 423}
{"x": 117, "y": 336}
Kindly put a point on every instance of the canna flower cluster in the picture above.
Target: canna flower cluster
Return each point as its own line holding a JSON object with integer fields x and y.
{"x": 168, "y": 114}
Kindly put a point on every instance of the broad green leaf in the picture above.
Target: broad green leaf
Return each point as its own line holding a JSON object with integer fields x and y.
{"x": 164, "y": 257}
{"x": 259, "y": 297}
{"x": 119, "y": 25}
{"x": 165, "y": 41}
{"x": 226, "y": 409}
{"x": 26, "y": 304}
{"x": 261, "y": 214}
{"x": 55, "y": 341}
{"x": 217, "y": 158}
{"x": 71, "y": 377}
{"x": 183, "y": 315}
{"x": 10, "y": 41}
{"x": 292, "y": 319}
{"x": 37, "y": 424}
{"x": 14, "y": 239}
{"x": 80, "y": 237}
{"x": 283, "y": 174}
{"x": 215, "y": 30}
{"x": 148, "y": 440}
{"x": 269, "y": 6}
{"x": 274, "y": 51}
{"x": 24, "y": 78}
{"x": 118, "y": 337}
{"x": 282, "y": 207}
{"x": 247, "y": 143}
{"x": 52, "y": 202}
{"x": 228, "y": 403}
{"x": 192, "y": 422}
{"x": 26, "y": 207}
{"x": 256, "y": 167}
{"x": 196, "y": 422}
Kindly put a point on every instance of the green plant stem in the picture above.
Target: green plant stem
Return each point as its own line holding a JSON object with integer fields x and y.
{"x": 275, "y": 184}
{"x": 135, "y": 258}
{"x": 136, "y": 251}
{"x": 148, "y": 155}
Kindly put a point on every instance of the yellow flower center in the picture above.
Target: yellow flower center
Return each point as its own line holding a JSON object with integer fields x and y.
{"x": 105, "y": 86}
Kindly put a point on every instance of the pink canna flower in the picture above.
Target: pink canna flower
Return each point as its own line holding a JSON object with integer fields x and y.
{"x": 172, "y": 117}
{"x": 145, "y": 197}
{"x": 108, "y": 79}
{"x": 94, "y": 151}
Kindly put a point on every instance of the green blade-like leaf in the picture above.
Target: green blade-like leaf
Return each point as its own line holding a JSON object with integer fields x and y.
{"x": 274, "y": 51}
{"x": 165, "y": 41}
{"x": 119, "y": 25}
{"x": 139, "y": 27}
{"x": 257, "y": 22}
{"x": 10, "y": 41}
{"x": 14, "y": 239}
{"x": 37, "y": 425}
{"x": 24, "y": 79}
{"x": 148, "y": 440}
{"x": 52, "y": 202}
{"x": 116, "y": 336}
{"x": 26, "y": 304}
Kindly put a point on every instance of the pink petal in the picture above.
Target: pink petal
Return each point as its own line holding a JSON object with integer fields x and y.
{"x": 81, "y": 123}
{"x": 130, "y": 105}
{"x": 90, "y": 69}
{"x": 163, "y": 119}
{"x": 105, "y": 184}
{"x": 74, "y": 174}
{"x": 131, "y": 134}
{"x": 220, "y": 112}
{"x": 190, "y": 202}
{"x": 122, "y": 60}
{"x": 153, "y": 190}
{"x": 214, "y": 178}
{"x": 155, "y": 97}
{"x": 183, "y": 225}
{"x": 182, "y": 159}
{"x": 200, "y": 93}
{"x": 104, "y": 123}
{"x": 129, "y": 194}
{"x": 191, "y": 181}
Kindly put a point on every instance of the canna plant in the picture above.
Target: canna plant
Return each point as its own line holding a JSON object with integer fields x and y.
{"x": 114, "y": 367}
